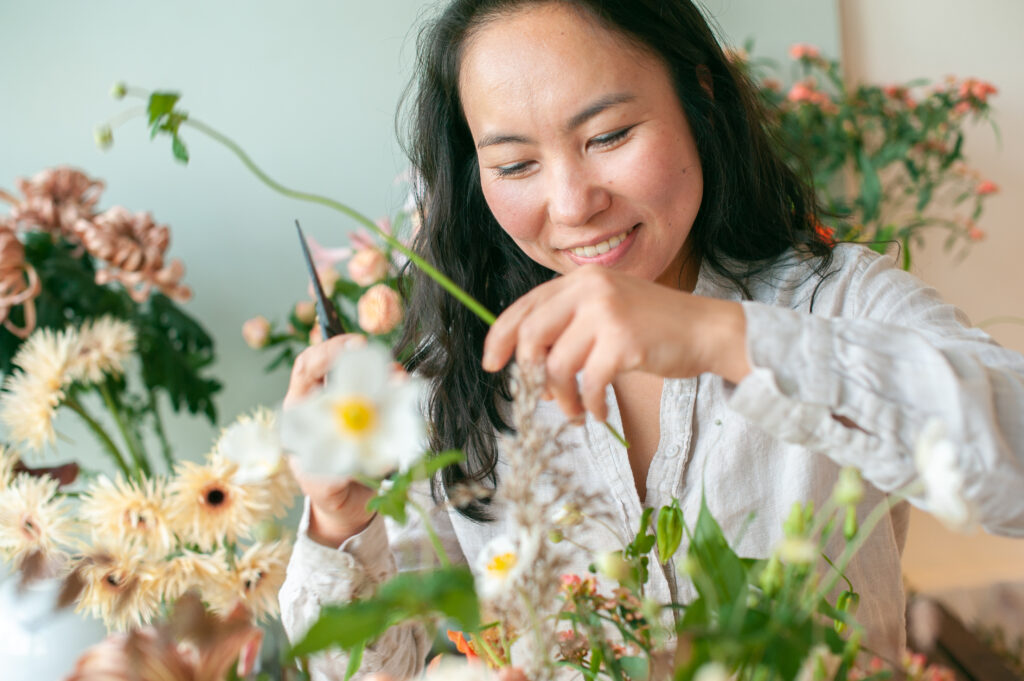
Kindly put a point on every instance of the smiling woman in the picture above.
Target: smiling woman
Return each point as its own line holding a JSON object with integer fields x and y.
{"x": 598, "y": 173}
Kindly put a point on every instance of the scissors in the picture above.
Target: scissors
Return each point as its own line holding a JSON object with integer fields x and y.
{"x": 330, "y": 322}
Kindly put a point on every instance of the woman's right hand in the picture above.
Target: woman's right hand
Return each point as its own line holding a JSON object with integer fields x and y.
{"x": 337, "y": 506}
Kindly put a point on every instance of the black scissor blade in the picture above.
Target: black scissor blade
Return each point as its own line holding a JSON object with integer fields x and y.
{"x": 330, "y": 323}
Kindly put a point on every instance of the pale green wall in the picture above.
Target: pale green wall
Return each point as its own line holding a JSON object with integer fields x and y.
{"x": 308, "y": 87}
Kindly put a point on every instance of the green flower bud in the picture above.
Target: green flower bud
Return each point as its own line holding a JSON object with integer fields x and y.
{"x": 770, "y": 579}
{"x": 103, "y": 136}
{"x": 849, "y": 489}
{"x": 794, "y": 524}
{"x": 555, "y": 536}
{"x": 797, "y": 551}
{"x": 669, "y": 531}
{"x": 118, "y": 90}
{"x": 611, "y": 564}
{"x": 850, "y": 523}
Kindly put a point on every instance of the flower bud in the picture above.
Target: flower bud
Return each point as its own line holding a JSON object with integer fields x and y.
{"x": 611, "y": 564}
{"x": 797, "y": 551}
{"x": 305, "y": 311}
{"x": 380, "y": 310}
{"x": 368, "y": 266}
{"x": 256, "y": 332}
{"x": 850, "y": 523}
{"x": 103, "y": 136}
{"x": 555, "y": 536}
{"x": 118, "y": 90}
{"x": 712, "y": 671}
{"x": 849, "y": 489}
{"x": 568, "y": 515}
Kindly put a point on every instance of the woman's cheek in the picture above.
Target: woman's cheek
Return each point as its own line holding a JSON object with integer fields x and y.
{"x": 513, "y": 206}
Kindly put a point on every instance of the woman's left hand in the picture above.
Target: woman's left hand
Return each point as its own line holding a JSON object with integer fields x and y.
{"x": 604, "y": 323}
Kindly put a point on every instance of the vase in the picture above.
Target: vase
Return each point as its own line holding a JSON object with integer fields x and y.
{"x": 37, "y": 642}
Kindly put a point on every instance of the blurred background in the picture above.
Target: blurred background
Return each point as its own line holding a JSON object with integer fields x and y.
{"x": 310, "y": 89}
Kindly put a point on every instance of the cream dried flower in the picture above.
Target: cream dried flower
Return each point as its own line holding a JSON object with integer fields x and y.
{"x": 34, "y": 521}
{"x": 45, "y": 356}
{"x": 363, "y": 422}
{"x": 8, "y": 462}
{"x": 208, "y": 507}
{"x": 253, "y": 581}
{"x": 119, "y": 585}
{"x": 104, "y": 346}
{"x": 253, "y": 443}
{"x": 207, "y": 572}
{"x": 130, "y": 511}
{"x": 27, "y": 409}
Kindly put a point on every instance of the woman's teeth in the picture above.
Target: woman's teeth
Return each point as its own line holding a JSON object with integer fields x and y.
{"x": 603, "y": 247}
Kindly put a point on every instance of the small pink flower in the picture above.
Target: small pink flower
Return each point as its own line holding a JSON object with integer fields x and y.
{"x": 570, "y": 581}
{"x": 962, "y": 107}
{"x": 305, "y": 311}
{"x": 256, "y": 332}
{"x": 379, "y": 309}
{"x": 801, "y": 92}
{"x": 986, "y": 187}
{"x": 804, "y": 51}
{"x": 975, "y": 233}
{"x": 771, "y": 84}
{"x": 368, "y": 266}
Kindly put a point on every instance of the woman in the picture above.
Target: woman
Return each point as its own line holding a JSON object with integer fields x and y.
{"x": 599, "y": 173}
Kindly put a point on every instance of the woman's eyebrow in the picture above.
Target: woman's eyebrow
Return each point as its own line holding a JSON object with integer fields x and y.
{"x": 603, "y": 103}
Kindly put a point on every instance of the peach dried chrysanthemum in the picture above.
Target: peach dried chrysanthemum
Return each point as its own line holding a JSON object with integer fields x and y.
{"x": 33, "y": 521}
{"x": 133, "y": 247}
{"x": 19, "y": 283}
{"x": 104, "y": 346}
{"x": 206, "y": 572}
{"x": 208, "y": 507}
{"x": 118, "y": 585}
{"x": 253, "y": 581}
{"x": 55, "y": 200}
{"x": 130, "y": 511}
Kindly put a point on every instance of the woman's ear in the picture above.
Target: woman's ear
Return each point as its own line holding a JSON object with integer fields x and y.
{"x": 705, "y": 80}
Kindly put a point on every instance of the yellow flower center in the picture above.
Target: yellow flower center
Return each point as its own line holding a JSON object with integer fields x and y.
{"x": 502, "y": 564}
{"x": 355, "y": 417}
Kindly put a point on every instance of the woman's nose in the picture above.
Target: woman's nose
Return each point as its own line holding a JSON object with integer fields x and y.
{"x": 574, "y": 196}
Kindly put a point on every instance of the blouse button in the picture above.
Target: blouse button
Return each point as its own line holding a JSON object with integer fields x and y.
{"x": 674, "y": 450}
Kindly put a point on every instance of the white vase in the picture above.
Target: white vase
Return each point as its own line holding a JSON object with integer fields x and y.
{"x": 38, "y": 643}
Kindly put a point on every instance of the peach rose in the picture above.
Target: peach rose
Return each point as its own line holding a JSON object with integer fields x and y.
{"x": 305, "y": 311}
{"x": 804, "y": 51}
{"x": 380, "y": 310}
{"x": 367, "y": 266}
{"x": 256, "y": 332}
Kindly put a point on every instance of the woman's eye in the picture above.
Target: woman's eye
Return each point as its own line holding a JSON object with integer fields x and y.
{"x": 611, "y": 138}
{"x": 512, "y": 169}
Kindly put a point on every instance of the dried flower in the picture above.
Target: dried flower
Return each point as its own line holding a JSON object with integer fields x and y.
{"x": 118, "y": 585}
{"x": 19, "y": 283}
{"x": 33, "y": 521}
{"x": 135, "y": 512}
{"x": 56, "y": 200}
{"x": 256, "y": 332}
{"x": 205, "y": 572}
{"x": 368, "y": 266}
{"x": 253, "y": 581}
{"x": 380, "y": 309}
{"x": 103, "y": 348}
{"x": 361, "y": 423}
{"x": 208, "y": 507}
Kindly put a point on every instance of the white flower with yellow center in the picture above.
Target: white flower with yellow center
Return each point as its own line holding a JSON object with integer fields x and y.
{"x": 363, "y": 422}
{"x": 498, "y": 565}
{"x": 104, "y": 346}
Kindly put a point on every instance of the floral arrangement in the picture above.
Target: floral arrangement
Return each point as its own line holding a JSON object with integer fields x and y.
{"x": 89, "y": 311}
{"x": 886, "y": 161}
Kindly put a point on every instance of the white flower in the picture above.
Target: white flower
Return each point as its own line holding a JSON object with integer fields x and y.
{"x": 252, "y": 443}
{"x": 498, "y": 565}
{"x": 712, "y": 671}
{"x": 361, "y": 423}
{"x": 936, "y": 463}
{"x": 453, "y": 670}
{"x": 819, "y": 665}
{"x": 797, "y": 551}
{"x": 103, "y": 347}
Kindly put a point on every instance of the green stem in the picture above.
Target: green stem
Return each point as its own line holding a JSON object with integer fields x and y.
{"x": 429, "y": 269}
{"x": 852, "y": 547}
{"x": 141, "y": 464}
{"x": 486, "y": 647}
{"x": 158, "y": 426}
{"x": 435, "y": 541}
{"x": 1003, "y": 319}
{"x": 97, "y": 429}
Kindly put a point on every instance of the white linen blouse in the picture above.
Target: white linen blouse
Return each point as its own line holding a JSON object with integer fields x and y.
{"x": 878, "y": 347}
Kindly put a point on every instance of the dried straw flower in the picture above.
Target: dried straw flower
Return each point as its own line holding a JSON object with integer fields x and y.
{"x": 119, "y": 585}
{"x": 19, "y": 283}
{"x": 253, "y": 581}
{"x": 205, "y": 572}
{"x": 134, "y": 512}
{"x": 133, "y": 247}
{"x": 32, "y": 394}
{"x": 8, "y": 462}
{"x": 55, "y": 200}
{"x": 104, "y": 346}
{"x": 208, "y": 507}
{"x": 34, "y": 522}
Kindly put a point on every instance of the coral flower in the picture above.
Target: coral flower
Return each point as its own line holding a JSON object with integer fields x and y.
{"x": 256, "y": 332}
{"x": 208, "y": 507}
{"x": 368, "y": 266}
{"x": 986, "y": 187}
{"x": 130, "y": 511}
{"x": 56, "y": 199}
{"x": 380, "y": 310}
{"x": 804, "y": 51}
{"x": 33, "y": 521}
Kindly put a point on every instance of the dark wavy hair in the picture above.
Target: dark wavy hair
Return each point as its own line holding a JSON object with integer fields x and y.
{"x": 754, "y": 207}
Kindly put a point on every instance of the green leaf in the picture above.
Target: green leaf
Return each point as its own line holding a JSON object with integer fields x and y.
{"x": 161, "y": 104}
{"x": 870, "y": 187}
{"x": 178, "y": 149}
{"x": 392, "y": 502}
{"x": 442, "y": 460}
{"x": 717, "y": 560}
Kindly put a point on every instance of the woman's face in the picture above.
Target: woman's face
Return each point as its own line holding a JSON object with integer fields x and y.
{"x": 585, "y": 153}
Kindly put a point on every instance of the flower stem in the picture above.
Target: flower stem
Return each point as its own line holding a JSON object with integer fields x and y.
{"x": 158, "y": 426}
{"x": 435, "y": 541}
{"x": 141, "y": 464}
{"x": 97, "y": 429}
{"x": 475, "y": 306}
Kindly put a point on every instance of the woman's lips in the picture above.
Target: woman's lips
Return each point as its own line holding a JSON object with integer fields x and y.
{"x": 609, "y": 257}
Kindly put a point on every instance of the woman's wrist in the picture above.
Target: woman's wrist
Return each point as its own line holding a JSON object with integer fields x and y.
{"x": 729, "y": 354}
{"x": 330, "y": 531}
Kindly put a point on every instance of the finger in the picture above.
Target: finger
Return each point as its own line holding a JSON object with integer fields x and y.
{"x": 503, "y": 335}
{"x": 312, "y": 365}
{"x": 599, "y": 371}
{"x": 565, "y": 359}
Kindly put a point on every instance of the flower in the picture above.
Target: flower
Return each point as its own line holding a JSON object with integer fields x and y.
{"x": 361, "y": 423}
{"x": 379, "y": 309}
{"x": 849, "y": 489}
{"x": 45, "y": 356}
{"x": 209, "y": 507}
{"x": 104, "y": 346}
{"x": 368, "y": 266}
{"x": 130, "y": 511}
{"x": 33, "y": 521}
{"x": 56, "y": 199}
{"x": 462, "y": 645}
{"x": 19, "y": 283}
{"x": 256, "y": 332}
{"x": 936, "y": 462}
{"x": 103, "y": 136}
{"x": 252, "y": 443}
{"x": 118, "y": 585}
{"x": 712, "y": 671}
{"x": 797, "y": 551}
{"x": 611, "y": 564}
{"x": 986, "y": 187}
{"x": 458, "y": 670}
{"x": 305, "y": 311}
{"x": 27, "y": 408}
{"x": 804, "y": 51}
{"x": 498, "y": 565}
{"x": 253, "y": 581}
{"x": 191, "y": 570}
{"x": 568, "y": 514}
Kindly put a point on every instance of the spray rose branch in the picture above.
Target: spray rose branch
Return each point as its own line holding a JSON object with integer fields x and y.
{"x": 163, "y": 116}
